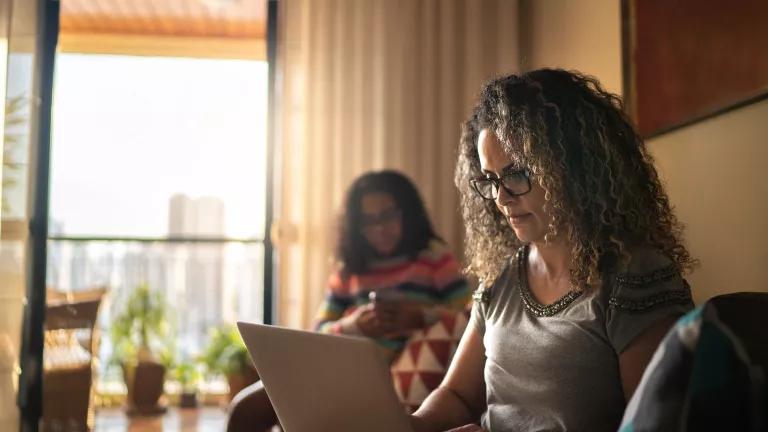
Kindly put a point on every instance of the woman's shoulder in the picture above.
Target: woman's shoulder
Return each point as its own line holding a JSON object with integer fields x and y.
{"x": 645, "y": 265}
{"x": 649, "y": 278}
{"x": 501, "y": 286}
{"x": 644, "y": 259}
{"x": 645, "y": 289}
{"x": 337, "y": 278}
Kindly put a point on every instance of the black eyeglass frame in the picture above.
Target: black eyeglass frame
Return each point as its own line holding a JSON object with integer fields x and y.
{"x": 499, "y": 183}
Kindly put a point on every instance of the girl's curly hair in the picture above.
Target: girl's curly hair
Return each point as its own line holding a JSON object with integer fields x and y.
{"x": 599, "y": 180}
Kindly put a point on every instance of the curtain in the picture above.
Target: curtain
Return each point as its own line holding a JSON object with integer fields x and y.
{"x": 366, "y": 85}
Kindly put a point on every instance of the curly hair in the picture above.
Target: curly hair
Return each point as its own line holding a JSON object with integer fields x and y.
{"x": 352, "y": 249}
{"x": 599, "y": 179}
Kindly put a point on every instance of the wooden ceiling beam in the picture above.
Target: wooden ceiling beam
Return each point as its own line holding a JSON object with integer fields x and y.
{"x": 163, "y": 26}
{"x": 163, "y": 46}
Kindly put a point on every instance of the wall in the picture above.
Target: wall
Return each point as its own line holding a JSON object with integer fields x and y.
{"x": 715, "y": 175}
{"x": 573, "y": 34}
{"x": 713, "y": 170}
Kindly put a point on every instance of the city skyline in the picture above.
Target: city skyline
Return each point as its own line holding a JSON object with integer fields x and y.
{"x": 206, "y": 284}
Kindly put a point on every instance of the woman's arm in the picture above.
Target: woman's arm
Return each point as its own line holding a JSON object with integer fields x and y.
{"x": 334, "y": 314}
{"x": 366, "y": 320}
{"x": 330, "y": 316}
{"x": 647, "y": 297}
{"x": 636, "y": 356}
{"x": 460, "y": 399}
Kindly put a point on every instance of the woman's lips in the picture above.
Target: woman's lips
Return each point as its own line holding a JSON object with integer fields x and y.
{"x": 518, "y": 219}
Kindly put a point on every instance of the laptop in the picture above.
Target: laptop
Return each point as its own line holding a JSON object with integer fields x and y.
{"x": 320, "y": 382}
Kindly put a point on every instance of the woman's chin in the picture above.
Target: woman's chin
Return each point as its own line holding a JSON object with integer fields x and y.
{"x": 521, "y": 234}
{"x": 385, "y": 252}
{"x": 527, "y": 236}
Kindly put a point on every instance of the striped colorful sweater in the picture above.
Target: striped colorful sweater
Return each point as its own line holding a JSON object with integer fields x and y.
{"x": 432, "y": 279}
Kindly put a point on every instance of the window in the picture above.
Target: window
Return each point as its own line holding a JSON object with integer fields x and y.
{"x": 158, "y": 177}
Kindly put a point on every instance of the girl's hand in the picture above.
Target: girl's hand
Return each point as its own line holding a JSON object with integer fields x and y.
{"x": 407, "y": 317}
{"x": 401, "y": 317}
{"x": 372, "y": 322}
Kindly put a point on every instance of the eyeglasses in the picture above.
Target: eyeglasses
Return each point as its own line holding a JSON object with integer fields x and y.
{"x": 515, "y": 183}
{"x": 383, "y": 218}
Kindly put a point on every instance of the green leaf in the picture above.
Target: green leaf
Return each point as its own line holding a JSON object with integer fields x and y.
{"x": 141, "y": 321}
{"x": 226, "y": 353}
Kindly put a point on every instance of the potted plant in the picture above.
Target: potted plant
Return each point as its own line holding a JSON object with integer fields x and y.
{"x": 140, "y": 332}
{"x": 188, "y": 376}
{"x": 227, "y": 355}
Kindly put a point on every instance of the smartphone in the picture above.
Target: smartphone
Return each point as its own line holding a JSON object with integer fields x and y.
{"x": 386, "y": 295}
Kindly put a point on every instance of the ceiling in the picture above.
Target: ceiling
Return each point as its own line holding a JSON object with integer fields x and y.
{"x": 239, "y": 19}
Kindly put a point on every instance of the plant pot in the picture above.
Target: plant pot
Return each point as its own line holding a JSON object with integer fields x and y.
{"x": 188, "y": 400}
{"x": 145, "y": 383}
{"x": 241, "y": 380}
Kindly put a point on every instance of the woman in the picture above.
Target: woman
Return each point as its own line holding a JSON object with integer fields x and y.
{"x": 580, "y": 255}
{"x": 394, "y": 276}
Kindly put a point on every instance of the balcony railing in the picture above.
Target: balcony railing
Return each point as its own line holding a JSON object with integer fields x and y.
{"x": 207, "y": 282}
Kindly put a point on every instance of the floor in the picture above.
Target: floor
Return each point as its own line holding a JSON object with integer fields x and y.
{"x": 206, "y": 419}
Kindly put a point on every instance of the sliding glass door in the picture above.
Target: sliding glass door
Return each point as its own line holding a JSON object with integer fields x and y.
{"x": 28, "y": 32}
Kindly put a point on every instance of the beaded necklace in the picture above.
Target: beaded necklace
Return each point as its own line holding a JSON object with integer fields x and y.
{"x": 530, "y": 303}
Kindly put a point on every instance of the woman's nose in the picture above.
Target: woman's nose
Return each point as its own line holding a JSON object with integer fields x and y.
{"x": 503, "y": 197}
{"x": 378, "y": 228}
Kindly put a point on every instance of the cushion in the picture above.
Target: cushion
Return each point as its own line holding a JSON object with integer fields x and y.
{"x": 420, "y": 367}
{"x": 64, "y": 351}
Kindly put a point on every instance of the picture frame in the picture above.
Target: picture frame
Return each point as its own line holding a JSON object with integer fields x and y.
{"x": 688, "y": 60}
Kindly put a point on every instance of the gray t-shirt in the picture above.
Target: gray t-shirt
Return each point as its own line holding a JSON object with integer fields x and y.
{"x": 556, "y": 367}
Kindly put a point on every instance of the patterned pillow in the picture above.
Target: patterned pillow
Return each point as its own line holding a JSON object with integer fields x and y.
{"x": 421, "y": 365}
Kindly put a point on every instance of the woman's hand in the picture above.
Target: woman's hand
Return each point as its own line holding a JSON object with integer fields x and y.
{"x": 419, "y": 425}
{"x": 460, "y": 398}
{"x": 401, "y": 317}
{"x": 408, "y": 317}
{"x": 389, "y": 319}
{"x": 374, "y": 322}
{"x": 468, "y": 428}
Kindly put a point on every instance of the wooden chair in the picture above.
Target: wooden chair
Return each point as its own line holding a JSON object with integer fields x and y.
{"x": 71, "y": 347}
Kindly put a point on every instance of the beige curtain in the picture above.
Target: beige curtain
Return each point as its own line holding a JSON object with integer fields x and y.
{"x": 373, "y": 84}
